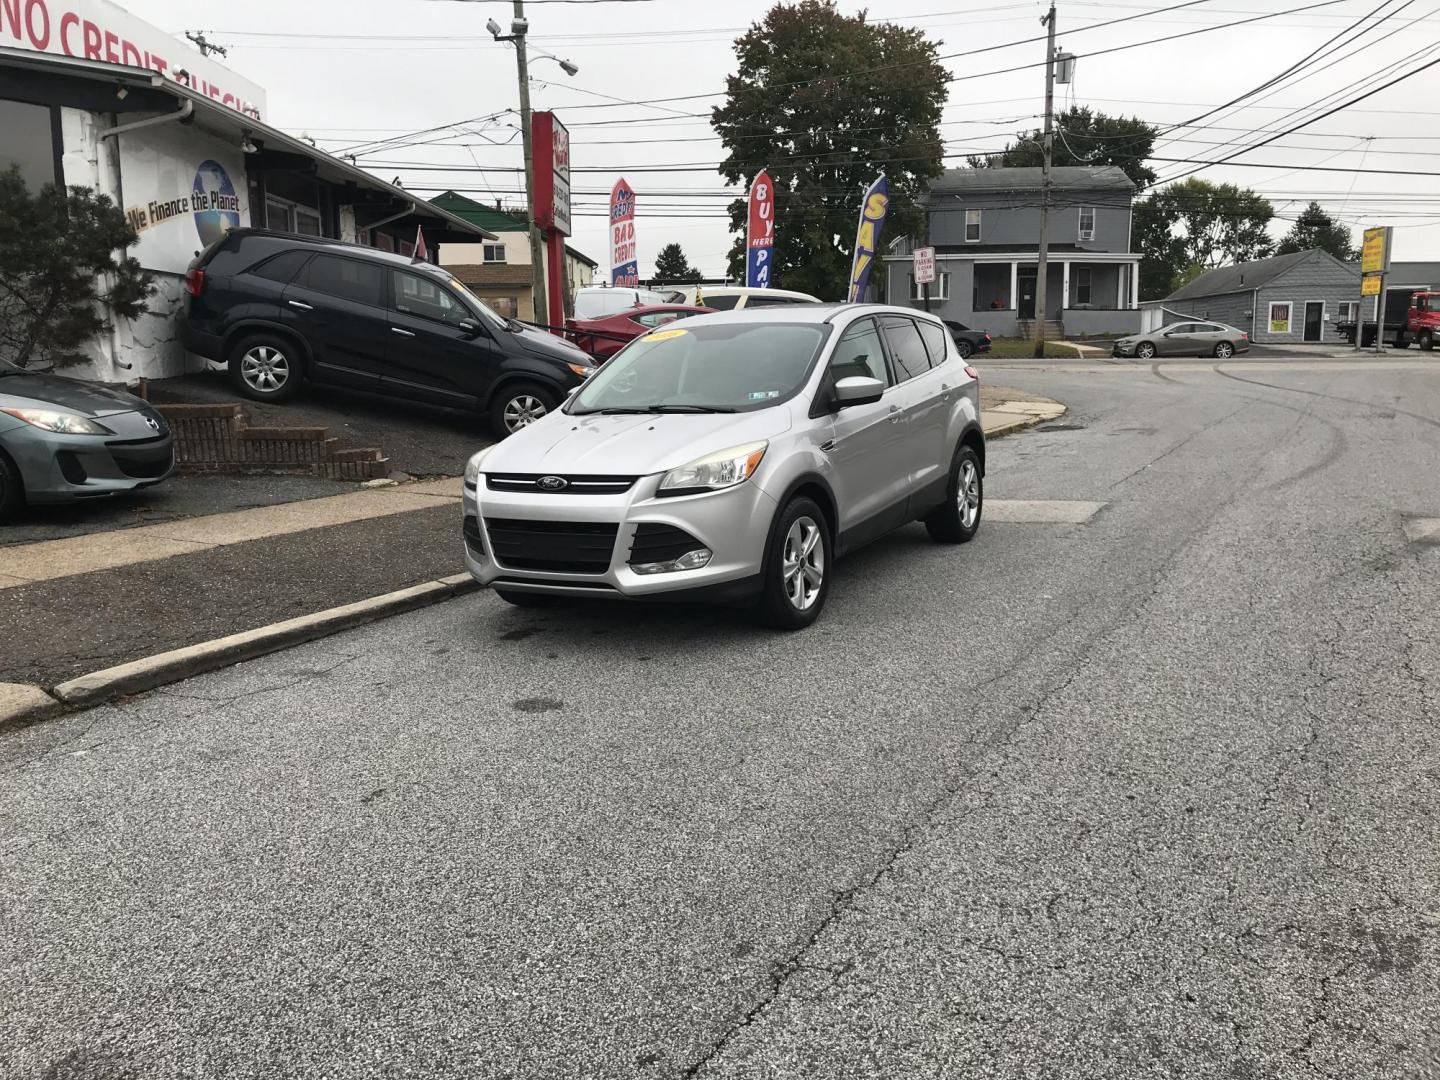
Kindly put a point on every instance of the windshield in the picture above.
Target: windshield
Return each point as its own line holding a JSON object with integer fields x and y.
{"x": 720, "y": 367}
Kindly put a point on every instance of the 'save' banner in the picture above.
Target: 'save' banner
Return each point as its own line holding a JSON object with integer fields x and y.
{"x": 867, "y": 237}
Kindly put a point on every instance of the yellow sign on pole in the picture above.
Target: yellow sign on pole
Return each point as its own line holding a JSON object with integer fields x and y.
{"x": 1370, "y": 285}
{"x": 1375, "y": 253}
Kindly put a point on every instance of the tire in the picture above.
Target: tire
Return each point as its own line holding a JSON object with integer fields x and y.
{"x": 958, "y": 520}
{"x": 522, "y": 599}
{"x": 266, "y": 367}
{"x": 1145, "y": 350}
{"x": 797, "y": 567}
{"x": 519, "y": 405}
{"x": 1224, "y": 350}
{"x": 1426, "y": 340}
{"x": 12, "y": 490}
{"x": 964, "y": 348}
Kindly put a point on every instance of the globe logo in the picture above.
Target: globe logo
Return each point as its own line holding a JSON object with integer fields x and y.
{"x": 217, "y": 206}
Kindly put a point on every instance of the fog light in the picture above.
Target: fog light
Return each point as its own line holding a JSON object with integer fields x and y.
{"x": 691, "y": 560}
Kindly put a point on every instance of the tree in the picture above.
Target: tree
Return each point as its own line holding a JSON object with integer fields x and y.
{"x": 672, "y": 267}
{"x": 826, "y": 102}
{"x": 1197, "y": 223}
{"x": 1316, "y": 229}
{"x": 1083, "y": 137}
{"x": 55, "y": 247}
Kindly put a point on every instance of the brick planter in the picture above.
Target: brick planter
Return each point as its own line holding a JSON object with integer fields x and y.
{"x": 219, "y": 438}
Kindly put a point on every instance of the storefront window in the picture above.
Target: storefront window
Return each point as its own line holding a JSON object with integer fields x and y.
{"x": 27, "y": 142}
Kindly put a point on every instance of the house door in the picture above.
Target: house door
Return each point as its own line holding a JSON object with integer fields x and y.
{"x": 1026, "y": 284}
{"x": 1314, "y": 320}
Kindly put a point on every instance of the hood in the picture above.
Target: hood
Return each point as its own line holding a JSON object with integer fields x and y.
{"x": 629, "y": 445}
{"x": 543, "y": 343}
{"x": 89, "y": 399}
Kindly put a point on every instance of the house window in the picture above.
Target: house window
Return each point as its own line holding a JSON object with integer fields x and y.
{"x": 1280, "y": 318}
{"x": 972, "y": 226}
{"x": 1087, "y": 223}
{"x": 285, "y": 216}
{"x": 1348, "y": 310}
{"x": 493, "y": 253}
{"x": 1082, "y": 286}
{"x": 939, "y": 288}
{"x": 29, "y": 143}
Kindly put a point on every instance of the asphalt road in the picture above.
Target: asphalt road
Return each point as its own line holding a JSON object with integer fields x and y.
{"x": 1151, "y": 796}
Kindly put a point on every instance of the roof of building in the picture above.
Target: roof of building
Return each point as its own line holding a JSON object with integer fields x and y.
{"x": 491, "y": 274}
{"x": 1087, "y": 177}
{"x": 1242, "y": 277}
{"x": 149, "y": 90}
{"x": 1414, "y": 273}
{"x": 487, "y": 217}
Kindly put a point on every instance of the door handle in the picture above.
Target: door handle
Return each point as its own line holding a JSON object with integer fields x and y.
{"x": 302, "y": 307}
{"x": 895, "y": 414}
{"x": 402, "y": 333}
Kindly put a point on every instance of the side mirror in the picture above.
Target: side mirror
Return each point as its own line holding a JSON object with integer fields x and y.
{"x": 470, "y": 326}
{"x": 857, "y": 390}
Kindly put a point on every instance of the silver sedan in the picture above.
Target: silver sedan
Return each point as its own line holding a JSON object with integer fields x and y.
{"x": 1186, "y": 339}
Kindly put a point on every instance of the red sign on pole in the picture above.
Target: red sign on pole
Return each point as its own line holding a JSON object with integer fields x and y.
{"x": 552, "y": 172}
{"x": 760, "y": 236}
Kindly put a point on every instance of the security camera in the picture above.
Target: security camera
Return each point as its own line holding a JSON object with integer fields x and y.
{"x": 493, "y": 27}
{"x": 569, "y": 68}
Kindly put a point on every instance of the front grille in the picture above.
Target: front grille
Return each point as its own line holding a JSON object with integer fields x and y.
{"x": 660, "y": 543}
{"x": 574, "y": 485}
{"x": 148, "y": 440}
{"x": 145, "y": 467}
{"x": 572, "y": 547}
{"x": 471, "y": 529}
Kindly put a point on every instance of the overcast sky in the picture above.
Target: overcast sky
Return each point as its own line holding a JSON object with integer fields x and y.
{"x": 350, "y": 73}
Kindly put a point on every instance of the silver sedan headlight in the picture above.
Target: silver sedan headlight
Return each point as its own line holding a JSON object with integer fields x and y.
{"x": 63, "y": 423}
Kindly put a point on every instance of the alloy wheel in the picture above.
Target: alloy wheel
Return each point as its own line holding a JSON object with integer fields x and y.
{"x": 803, "y": 568}
{"x": 1145, "y": 350}
{"x": 522, "y": 411}
{"x": 967, "y": 494}
{"x": 1224, "y": 350}
{"x": 265, "y": 369}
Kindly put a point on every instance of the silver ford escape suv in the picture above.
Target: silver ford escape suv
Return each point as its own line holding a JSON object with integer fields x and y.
{"x": 733, "y": 460}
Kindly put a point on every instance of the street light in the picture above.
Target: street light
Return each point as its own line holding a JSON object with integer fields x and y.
{"x": 519, "y": 27}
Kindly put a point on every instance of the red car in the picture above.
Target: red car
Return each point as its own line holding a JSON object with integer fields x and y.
{"x": 603, "y": 338}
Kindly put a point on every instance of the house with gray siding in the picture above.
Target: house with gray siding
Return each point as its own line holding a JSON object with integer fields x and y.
{"x": 984, "y": 225}
{"x": 1293, "y": 298}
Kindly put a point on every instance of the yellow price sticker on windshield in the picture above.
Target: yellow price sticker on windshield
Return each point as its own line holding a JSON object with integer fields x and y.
{"x": 665, "y": 335}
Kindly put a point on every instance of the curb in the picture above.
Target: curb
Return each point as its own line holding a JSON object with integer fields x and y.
{"x": 177, "y": 664}
{"x": 1024, "y": 422}
{"x": 21, "y": 704}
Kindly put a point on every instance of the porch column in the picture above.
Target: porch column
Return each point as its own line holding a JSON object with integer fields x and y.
{"x": 1120, "y": 304}
{"x": 1015, "y": 286}
{"x": 1064, "y": 287}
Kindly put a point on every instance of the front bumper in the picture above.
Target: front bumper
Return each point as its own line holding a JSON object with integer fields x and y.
{"x": 1122, "y": 350}
{"x": 733, "y": 524}
{"x": 61, "y": 468}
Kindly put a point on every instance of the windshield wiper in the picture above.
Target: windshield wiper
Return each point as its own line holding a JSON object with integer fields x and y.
{"x": 690, "y": 408}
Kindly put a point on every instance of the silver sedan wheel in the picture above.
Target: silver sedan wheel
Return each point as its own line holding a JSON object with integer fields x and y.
{"x": 803, "y": 568}
{"x": 264, "y": 368}
{"x": 1224, "y": 350}
{"x": 1145, "y": 350}
{"x": 967, "y": 494}
{"x": 522, "y": 411}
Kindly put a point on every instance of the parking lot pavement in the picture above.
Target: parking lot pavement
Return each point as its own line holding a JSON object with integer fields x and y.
{"x": 1144, "y": 791}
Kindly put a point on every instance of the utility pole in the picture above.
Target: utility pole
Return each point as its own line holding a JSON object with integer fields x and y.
{"x": 1047, "y": 145}
{"x": 538, "y": 291}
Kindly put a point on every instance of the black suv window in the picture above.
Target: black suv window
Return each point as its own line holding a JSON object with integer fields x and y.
{"x": 349, "y": 279}
{"x": 934, "y": 342}
{"x": 907, "y": 350}
{"x": 416, "y": 295}
{"x": 282, "y": 267}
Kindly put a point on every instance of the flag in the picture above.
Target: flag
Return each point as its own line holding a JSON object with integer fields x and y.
{"x": 421, "y": 254}
{"x": 624, "y": 263}
{"x": 867, "y": 237}
{"x": 760, "y": 237}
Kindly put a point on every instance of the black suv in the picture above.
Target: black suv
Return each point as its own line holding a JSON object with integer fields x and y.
{"x": 279, "y": 308}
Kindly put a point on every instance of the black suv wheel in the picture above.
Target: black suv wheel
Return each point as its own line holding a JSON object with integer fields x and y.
{"x": 266, "y": 367}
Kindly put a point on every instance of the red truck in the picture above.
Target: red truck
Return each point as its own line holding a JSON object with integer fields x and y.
{"x": 1421, "y": 324}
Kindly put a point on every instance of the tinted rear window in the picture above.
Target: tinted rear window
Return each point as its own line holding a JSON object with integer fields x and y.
{"x": 907, "y": 350}
{"x": 719, "y": 303}
{"x": 281, "y": 268}
{"x": 934, "y": 342}
{"x": 348, "y": 279}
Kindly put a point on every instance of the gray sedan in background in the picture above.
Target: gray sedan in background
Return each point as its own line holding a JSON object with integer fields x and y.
{"x": 62, "y": 440}
{"x": 1186, "y": 339}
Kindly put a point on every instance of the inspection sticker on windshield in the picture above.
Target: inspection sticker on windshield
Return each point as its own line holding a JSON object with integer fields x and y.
{"x": 665, "y": 335}
{"x": 763, "y": 395}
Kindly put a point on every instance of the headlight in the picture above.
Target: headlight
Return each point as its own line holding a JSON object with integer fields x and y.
{"x": 715, "y": 471}
{"x": 63, "y": 422}
{"x": 583, "y": 370}
{"x": 472, "y": 467}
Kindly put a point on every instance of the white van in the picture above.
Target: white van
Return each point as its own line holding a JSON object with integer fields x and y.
{"x": 735, "y": 297}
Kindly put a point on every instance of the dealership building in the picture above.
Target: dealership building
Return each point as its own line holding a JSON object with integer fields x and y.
{"x": 94, "y": 97}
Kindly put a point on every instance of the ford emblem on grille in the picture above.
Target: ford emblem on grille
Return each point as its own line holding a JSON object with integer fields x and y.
{"x": 154, "y": 424}
{"x": 552, "y": 483}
